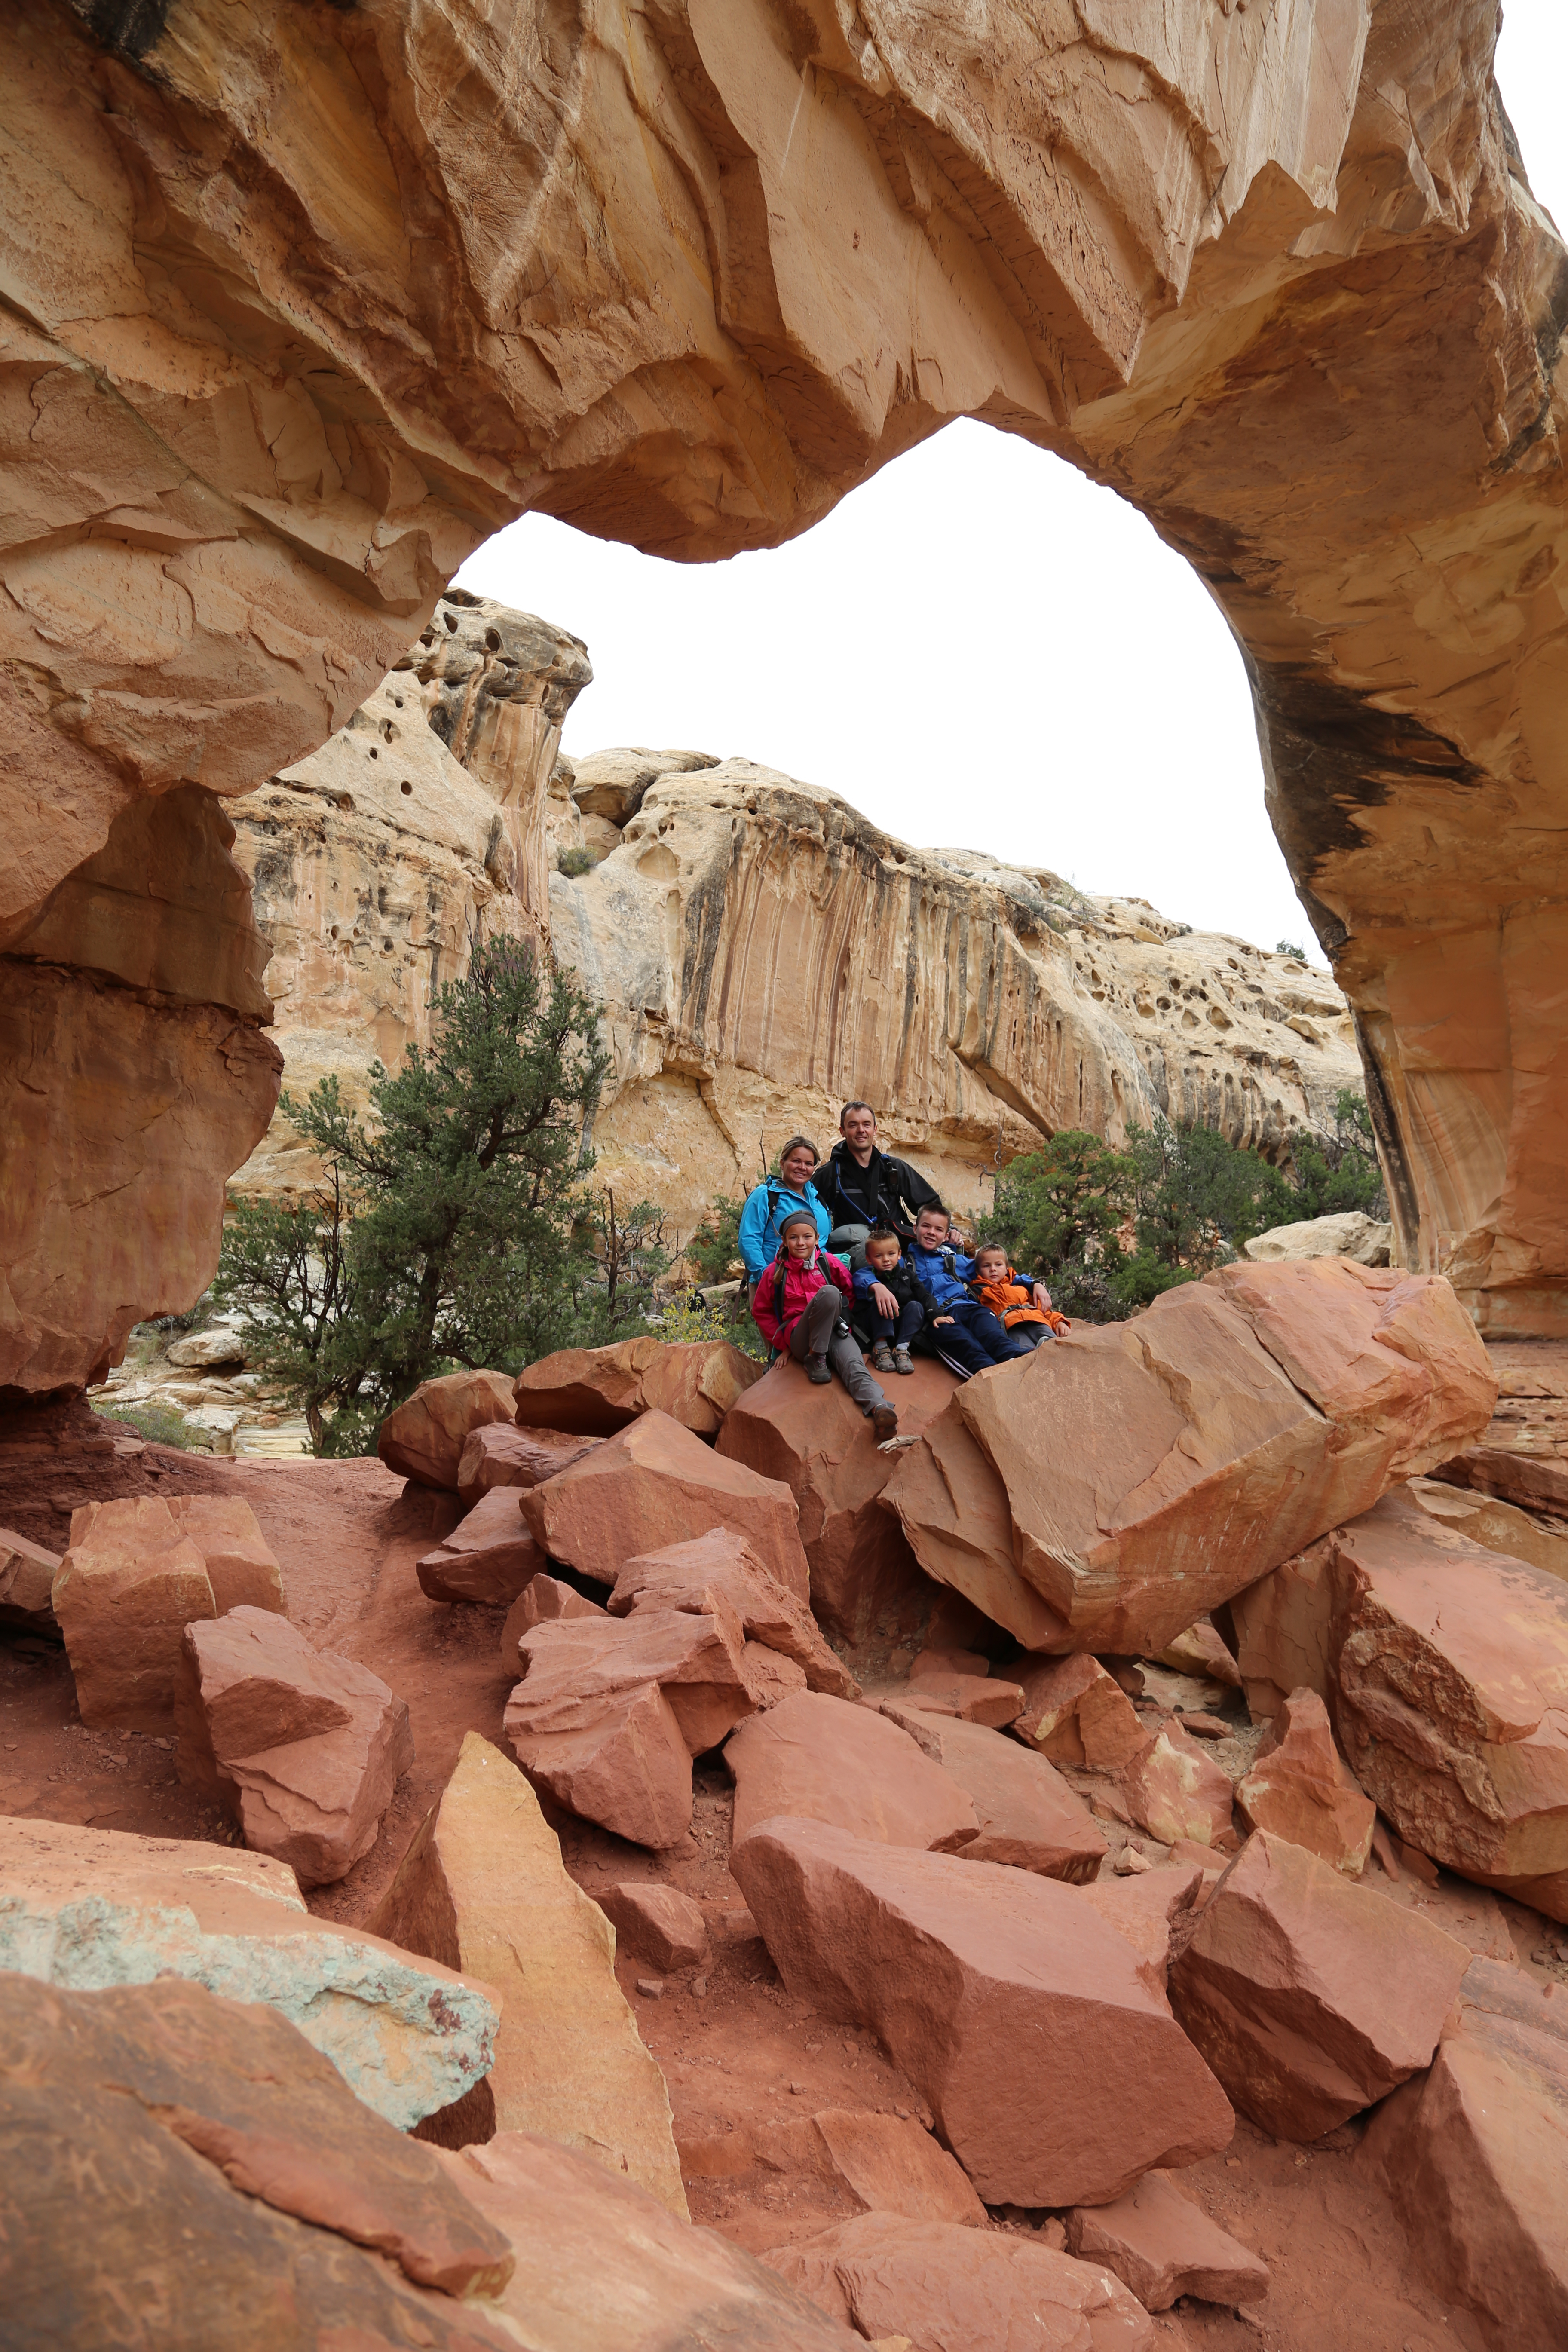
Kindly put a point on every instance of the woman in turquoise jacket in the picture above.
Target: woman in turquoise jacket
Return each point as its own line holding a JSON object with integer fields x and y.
{"x": 769, "y": 1202}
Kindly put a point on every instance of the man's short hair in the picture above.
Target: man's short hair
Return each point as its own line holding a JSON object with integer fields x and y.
{"x": 884, "y": 1234}
{"x": 854, "y": 1105}
{"x": 936, "y": 1209}
{"x": 794, "y": 1145}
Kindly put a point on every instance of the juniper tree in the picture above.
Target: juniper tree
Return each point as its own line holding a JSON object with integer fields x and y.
{"x": 445, "y": 1235}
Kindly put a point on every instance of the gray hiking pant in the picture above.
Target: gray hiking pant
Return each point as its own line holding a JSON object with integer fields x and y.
{"x": 814, "y": 1335}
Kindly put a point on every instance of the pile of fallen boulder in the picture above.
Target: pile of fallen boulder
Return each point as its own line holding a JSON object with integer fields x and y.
{"x": 1083, "y": 1744}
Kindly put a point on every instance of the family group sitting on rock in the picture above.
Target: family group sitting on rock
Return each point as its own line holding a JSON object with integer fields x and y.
{"x": 860, "y": 1260}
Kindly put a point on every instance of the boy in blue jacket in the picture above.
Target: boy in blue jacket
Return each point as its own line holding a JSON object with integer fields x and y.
{"x": 973, "y": 1338}
{"x": 891, "y": 1303}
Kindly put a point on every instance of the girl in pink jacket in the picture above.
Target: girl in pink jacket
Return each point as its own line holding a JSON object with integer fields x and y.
{"x": 799, "y": 1305}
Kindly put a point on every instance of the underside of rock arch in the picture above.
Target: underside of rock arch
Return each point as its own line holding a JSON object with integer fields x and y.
{"x": 302, "y": 301}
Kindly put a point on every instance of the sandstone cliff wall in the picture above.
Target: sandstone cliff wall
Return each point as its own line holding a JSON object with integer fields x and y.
{"x": 763, "y": 952}
{"x": 302, "y": 301}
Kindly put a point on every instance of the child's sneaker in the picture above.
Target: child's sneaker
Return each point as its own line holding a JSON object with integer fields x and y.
{"x": 817, "y": 1371}
{"x": 881, "y": 1357}
{"x": 885, "y": 1422}
{"x": 902, "y": 1361}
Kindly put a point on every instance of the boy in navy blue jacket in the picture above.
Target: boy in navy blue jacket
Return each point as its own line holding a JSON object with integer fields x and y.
{"x": 891, "y": 1302}
{"x": 973, "y": 1338}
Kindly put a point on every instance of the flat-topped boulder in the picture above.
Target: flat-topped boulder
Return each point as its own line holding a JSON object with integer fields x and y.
{"x": 490, "y": 1555}
{"x": 424, "y": 1438}
{"x": 1056, "y": 2073}
{"x": 1444, "y": 1667}
{"x": 1267, "y": 1401}
{"x": 657, "y": 1922}
{"x": 822, "y": 1759}
{"x": 819, "y": 1444}
{"x": 138, "y": 1571}
{"x": 82, "y": 1909}
{"x": 597, "y": 1390}
{"x": 498, "y": 1453}
{"x": 655, "y": 1483}
{"x": 483, "y": 1888}
{"x": 1028, "y": 1817}
{"x": 688, "y": 1575}
{"x": 302, "y": 1747}
{"x": 1311, "y": 1999}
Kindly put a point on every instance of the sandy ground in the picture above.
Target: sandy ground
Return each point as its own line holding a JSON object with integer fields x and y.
{"x": 743, "y": 2059}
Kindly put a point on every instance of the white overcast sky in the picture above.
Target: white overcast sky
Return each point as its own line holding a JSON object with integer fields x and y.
{"x": 977, "y": 649}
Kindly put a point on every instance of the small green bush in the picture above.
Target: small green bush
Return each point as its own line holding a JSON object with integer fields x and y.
{"x": 1290, "y": 947}
{"x": 160, "y": 1424}
{"x": 573, "y": 862}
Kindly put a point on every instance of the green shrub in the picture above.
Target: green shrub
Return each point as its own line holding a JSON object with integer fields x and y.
{"x": 1288, "y": 947}
{"x": 574, "y": 862}
{"x": 160, "y": 1424}
{"x": 452, "y": 1227}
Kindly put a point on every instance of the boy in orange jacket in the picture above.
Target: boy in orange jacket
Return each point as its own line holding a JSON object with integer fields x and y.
{"x": 1022, "y": 1307}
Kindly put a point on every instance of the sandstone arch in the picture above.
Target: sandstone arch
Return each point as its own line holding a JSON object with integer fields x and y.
{"x": 302, "y": 301}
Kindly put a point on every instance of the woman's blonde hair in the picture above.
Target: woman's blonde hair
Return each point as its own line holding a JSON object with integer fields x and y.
{"x": 794, "y": 1145}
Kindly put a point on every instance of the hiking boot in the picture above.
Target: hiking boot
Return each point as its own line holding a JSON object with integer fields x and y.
{"x": 902, "y": 1361}
{"x": 885, "y": 1422}
{"x": 881, "y": 1357}
{"x": 817, "y": 1371}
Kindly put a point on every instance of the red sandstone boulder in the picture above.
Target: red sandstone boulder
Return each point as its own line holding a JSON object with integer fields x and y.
{"x": 942, "y": 2288}
{"x": 611, "y": 1711}
{"x": 890, "y": 2163}
{"x": 1301, "y": 1789}
{"x": 657, "y": 1921}
{"x": 1268, "y": 1401}
{"x": 424, "y": 1438}
{"x": 768, "y": 1676}
{"x": 603, "y": 2267}
{"x": 819, "y": 1444}
{"x": 1075, "y": 1713}
{"x": 822, "y": 1759}
{"x": 1200, "y": 1652}
{"x": 1475, "y": 2152}
{"x": 137, "y": 1573}
{"x": 1162, "y": 2245}
{"x": 985, "y": 1699}
{"x": 541, "y": 1600}
{"x": 654, "y": 1485}
{"x": 1028, "y": 1817}
{"x": 597, "y": 1390}
{"x": 1155, "y": 1910}
{"x": 1445, "y": 1671}
{"x": 490, "y": 1555}
{"x": 686, "y": 1575}
{"x": 1055, "y": 2074}
{"x": 1310, "y": 1997}
{"x": 304, "y": 1748}
{"x": 1175, "y": 1789}
{"x": 27, "y": 1582}
{"x": 500, "y": 1454}
{"x": 241, "y": 2195}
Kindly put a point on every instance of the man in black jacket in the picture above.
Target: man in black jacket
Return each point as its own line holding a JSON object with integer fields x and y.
{"x": 860, "y": 1186}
